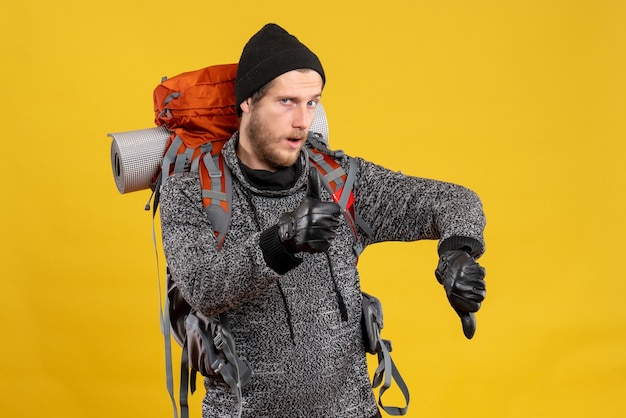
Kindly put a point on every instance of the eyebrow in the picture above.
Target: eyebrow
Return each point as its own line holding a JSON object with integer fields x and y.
{"x": 286, "y": 96}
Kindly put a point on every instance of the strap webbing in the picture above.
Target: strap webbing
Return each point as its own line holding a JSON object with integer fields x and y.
{"x": 184, "y": 382}
{"x": 337, "y": 181}
{"x": 347, "y": 187}
{"x": 164, "y": 317}
{"x": 169, "y": 158}
{"x": 217, "y": 199}
{"x": 232, "y": 375}
{"x": 387, "y": 368}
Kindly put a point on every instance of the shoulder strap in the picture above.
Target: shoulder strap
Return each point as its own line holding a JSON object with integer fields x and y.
{"x": 216, "y": 182}
{"x": 338, "y": 183}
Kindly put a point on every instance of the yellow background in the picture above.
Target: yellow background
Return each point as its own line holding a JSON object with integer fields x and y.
{"x": 522, "y": 101}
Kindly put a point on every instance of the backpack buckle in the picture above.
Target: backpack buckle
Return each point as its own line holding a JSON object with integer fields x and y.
{"x": 218, "y": 340}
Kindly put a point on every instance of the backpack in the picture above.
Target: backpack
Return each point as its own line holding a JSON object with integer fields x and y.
{"x": 198, "y": 108}
{"x": 195, "y": 115}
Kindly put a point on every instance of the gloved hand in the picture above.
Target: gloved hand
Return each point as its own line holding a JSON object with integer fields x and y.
{"x": 463, "y": 280}
{"x": 312, "y": 226}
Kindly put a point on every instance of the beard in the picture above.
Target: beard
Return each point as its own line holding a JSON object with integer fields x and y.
{"x": 265, "y": 144}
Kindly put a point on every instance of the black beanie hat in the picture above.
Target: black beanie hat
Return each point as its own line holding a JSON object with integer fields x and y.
{"x": 271, "y": 52}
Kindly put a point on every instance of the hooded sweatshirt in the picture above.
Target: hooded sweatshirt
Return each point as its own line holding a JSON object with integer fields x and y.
{"x": 296, "y": 317}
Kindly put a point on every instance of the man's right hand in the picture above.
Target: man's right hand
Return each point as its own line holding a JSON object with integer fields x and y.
{"x": 312, "y": 226}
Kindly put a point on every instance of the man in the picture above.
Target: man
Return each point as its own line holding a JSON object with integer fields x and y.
{"x": 286, "y": 273}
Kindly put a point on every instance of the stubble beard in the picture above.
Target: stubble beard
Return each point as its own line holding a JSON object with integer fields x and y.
{"x": 264, "y": 144}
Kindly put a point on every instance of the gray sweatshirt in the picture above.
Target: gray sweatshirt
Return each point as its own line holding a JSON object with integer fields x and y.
{"x": 296, "y": 319}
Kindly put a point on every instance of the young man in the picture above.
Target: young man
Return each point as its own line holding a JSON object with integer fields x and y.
{"x": 286, "y": 273}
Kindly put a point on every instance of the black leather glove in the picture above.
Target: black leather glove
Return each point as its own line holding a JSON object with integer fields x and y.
{"x": 312, "y": 226}
{"x": 463, "y": 280}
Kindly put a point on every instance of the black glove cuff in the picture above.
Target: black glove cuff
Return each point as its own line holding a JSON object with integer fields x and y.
{"x": 274, "y": 252}
{"x": 470, "y": 245}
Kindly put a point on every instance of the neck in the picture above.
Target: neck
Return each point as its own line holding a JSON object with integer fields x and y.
{"x": 280, "y": 179}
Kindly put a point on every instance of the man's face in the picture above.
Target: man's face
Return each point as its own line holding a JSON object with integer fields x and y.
{"x": 274, "y": 129}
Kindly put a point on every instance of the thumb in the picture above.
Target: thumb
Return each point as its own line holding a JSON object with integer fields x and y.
{"x": 315, "y": 185}
{"x": 468, "y": 321}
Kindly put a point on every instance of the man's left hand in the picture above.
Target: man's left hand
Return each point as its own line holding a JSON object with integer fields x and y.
{"x": 463, "y": 280}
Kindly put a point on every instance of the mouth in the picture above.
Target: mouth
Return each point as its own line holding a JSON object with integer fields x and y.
{"x": 295, "y": 141}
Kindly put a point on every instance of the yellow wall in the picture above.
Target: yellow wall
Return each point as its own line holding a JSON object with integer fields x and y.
{"x": 523, "y": 101}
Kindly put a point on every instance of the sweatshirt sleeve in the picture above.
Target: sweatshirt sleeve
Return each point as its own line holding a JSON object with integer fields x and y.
{"x": 211, "y": 281}
{"x": 398, "y": 207}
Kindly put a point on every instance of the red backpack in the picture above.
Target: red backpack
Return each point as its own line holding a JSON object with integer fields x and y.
{"x": 199, "y": 109}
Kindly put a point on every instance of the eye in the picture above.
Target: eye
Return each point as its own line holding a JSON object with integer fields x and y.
{"x": 285, "y": 100}
{"x": 312, "y": 103}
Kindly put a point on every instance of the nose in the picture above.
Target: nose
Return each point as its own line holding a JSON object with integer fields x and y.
{"x": 302, "y": 117}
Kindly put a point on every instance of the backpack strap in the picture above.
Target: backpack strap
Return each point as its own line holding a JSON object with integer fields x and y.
{"x": 338, "y": 183}
{"x": 170, "y": 157}
{"x": 386, "y": 372}
{"x": 164, "y": 317}
{"x": 216, "y": 181}
{"x": 174, "y": 161}
{"x": 387, "y": 368}
{"x": 235, "y": 371}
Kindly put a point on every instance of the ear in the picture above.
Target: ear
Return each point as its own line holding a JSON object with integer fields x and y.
{"x": 245, "y": 105}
